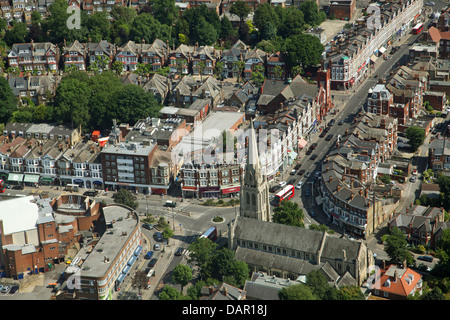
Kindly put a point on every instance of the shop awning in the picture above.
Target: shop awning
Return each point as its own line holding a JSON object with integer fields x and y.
{"x": 131, "y": 260}
{"x": 97, "y": 182}
{"x": 292, "y": 155}
{"x": 121, "y": 277}
{"x": 77, "y": 181}
{"x": 46, "y": 179}
{"x": 32, "y": 178}
{"x": 15, "y": 177}
{"x": 382, "y": 50}
{"x": 302, "y": 143}
{"x": 138, "y": 250}
{"x": 126, "y": 269}
{"x": 231, "y": 190}
{"x": 373, "y": 58}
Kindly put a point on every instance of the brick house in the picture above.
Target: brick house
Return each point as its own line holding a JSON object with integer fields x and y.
{"x": 397, "y": 283}
{"x": 40, "y": 56}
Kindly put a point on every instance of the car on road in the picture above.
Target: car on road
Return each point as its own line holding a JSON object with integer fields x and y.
{"x": 313, "y": 146}
{"x": 170, "y": 203}
{"x": 148, "y": 255}
{"x": 322, "y": 134}
{"x": 307, "y": 174}
{"x": 329, "y": 137}
{"x": 274, "y": 188}
{"x": 90, "y": 193}
{"x": 179, "y": 252}
{"x": 299, "y": 185}
{"x": 301, "y": 172}
{"x": 14, "y": 289}
{"x": 156, "y": 247}
{"x": 317, "y": 174}
{"x": 332, "y": 121}
{"x": 293, "y": 171}
{"x": 152, "y": 262}
{"x": 18, "y": 187}
{"x": 147, "y": 226}
{"x": 341, "y": 122}
{"x": 291, "y": 181}
{"x": 415, "y": 172}
{"x": 297, "y": 166}
{"x": 6, "y": 289}
{"x": 413, "y": 179}
{"x": 158, "y": 237}
{"x": 423, "y": 258}
{"x": 282, "y": 184}
{"x": 309, "y": 151}
{"x": 314, "y": 157}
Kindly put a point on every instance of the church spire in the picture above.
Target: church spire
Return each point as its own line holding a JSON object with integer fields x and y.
{"x": 252, "y": 157}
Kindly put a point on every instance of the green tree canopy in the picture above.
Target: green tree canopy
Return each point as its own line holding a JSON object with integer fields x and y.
{"x": 241, "y": 9}
{"x": 311, "y": 13}
{"x": 170, "y": 293}
{"x": 264, "y": 14}
{"x": 319, "y": 286}
{"x": 164, "y": 11}
{"x": 303, "y": 49}
{"x": 124, "y": 196}
{"x": 293, "y": 23}
{"x": 289, "y": 213}
{"x": 296, "y": 292}
{"x": 443, "y": 253}
{"x": 145, "y": 27}
{"x": 8, "y": 102}
{"x": 182, "y": 275}
{"x": 416, "y": 137}
{"x": 18, "y": 34}
{"x": 396, "y": 247}
{"x": 202, "y": 250}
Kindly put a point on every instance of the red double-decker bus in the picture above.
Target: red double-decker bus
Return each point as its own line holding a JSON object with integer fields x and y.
{"x": 285, "y": 194}
{"x": 2, "y": 186}
{"x": 211, "y": 234}
{"x": 417, "y": 28}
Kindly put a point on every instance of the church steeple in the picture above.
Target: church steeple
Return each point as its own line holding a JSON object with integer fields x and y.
{"x": 255, "y": 188}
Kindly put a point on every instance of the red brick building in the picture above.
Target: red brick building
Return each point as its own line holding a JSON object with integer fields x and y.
{"x": 342, "y": 9}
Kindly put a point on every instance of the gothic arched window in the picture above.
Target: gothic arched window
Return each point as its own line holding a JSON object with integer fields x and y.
{"x": 254, "y": 199}
{"x": 248, "y": 198}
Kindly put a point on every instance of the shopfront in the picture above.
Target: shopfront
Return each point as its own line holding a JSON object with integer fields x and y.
{"x": 31, "y": 180}
{"x": 210, "y": 192}
{"x": 230, "y": 192}
{"x": 189, "y": 192}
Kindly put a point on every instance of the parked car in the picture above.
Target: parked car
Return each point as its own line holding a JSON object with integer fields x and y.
{"x": 413, "y": 179}
{"x": 14, "y": 289}
{"x": 317, "y": 174}
{"x": 1, "y": 287}
{"x": 329, "y": 137}
{"x": 299, "y": 185}
{"x": 311, "y": 213}
{"x": 297, "y": 166}
{"x": 301, "y": 172}
{"x": 313, "y": 146}
{"x": 179, "y": 251}
{"x": 332, "y": 121}
{"x": 152, "y": 262}
{"x": 147, "y": 226}
{"x": 90, "y": 193}
{"x": 293, "y": 171}
{"x": 157, "y": 247}
{"x": 309, "y": 151}
{"x": 6, "y": 289}
{"x": 415, "y": 172}
{"x": 291, "y": 181}
{"x": 274, "y": 188}
{"x": 158, "y": 236}
{"x": 307, "y": 174}
{"x": 282, "y": 184}
{"x": 18, "y": 187}
{"x": 148, "y": 255}
{"x": 425, "y": 258}
{"x": 341, "y": 122}
{"x": 314, "y": 157}
{"x": 322, "y": 134}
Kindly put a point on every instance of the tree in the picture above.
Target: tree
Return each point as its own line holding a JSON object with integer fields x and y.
{"x": 416, "y": 136}
{"x": 124, "y": 196}
{"x": 123, "y": 14}
{"x": 140, "y": 280}
{"x": 200, "y": 67}
{"x": 226, "y": 28}
{"x": 240, "y": 9}
{"x": 350, "y": 293}
{"x": 303, "y": 49}
{"x": 433, "y": 295}
{"x": 296, "y": 292}
{"x": 218, "y": 69}
{"x": 41, "y": 114}
{"x": 145, "y": 27}
{"x": 289, "y": 213}
{"x": 117, "y": 67}
{"x": 319, "y": 286}
{"x": 264, "y": 14}
{"x": 17, "y": 34}
{"x": 258, "y": 75}
{"x": 444, "y": 188}
{"x": 203, "y": 33}
{"x": 98, "y": 26}
{"x": 396, "y": 247}
{"x": 164, "y": 11}
{"x": 293, "y": 23}
{"x": 8, "y": 102}
{"x": 182, "y": 275}
{"x": 244, "y": 32}
{"x": 170, "y": 293}
{"x": 202, "y": 250}
{"x": 268, "y": 31}
{"x": 311, "y": 13}
{"x": 238, "y": 67}
{"x": 443, "y": 253}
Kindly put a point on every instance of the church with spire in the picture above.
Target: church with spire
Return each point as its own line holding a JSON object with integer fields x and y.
{"x": 254, "y": 194}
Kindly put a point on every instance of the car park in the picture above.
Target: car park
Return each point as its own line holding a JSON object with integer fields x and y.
{"x": 299, "y": 185}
